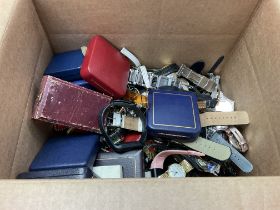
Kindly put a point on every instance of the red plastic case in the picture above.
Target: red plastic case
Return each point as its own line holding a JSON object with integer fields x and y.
{"x": 105, "y": 68}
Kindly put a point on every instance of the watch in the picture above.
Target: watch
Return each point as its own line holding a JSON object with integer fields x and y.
{"x": 198, "y": 79}
{"x": 235, "y": 138}
{"x": 203, "y": 165}
{"x": 113, "y": 129}
{"x": 166, "y": 70}
{"x": 238, "y": 159}
{"x": 176, "y": 170}
{"x": 140, "y": 76}
{"x": 159, "y": 159}
{"x": 136, "y": 97}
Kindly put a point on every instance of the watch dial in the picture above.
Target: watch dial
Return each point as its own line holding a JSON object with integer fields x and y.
{"x": 176, "y": 170}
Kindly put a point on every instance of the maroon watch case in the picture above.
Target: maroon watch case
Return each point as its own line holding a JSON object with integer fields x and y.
{"x": 67, "y": 104}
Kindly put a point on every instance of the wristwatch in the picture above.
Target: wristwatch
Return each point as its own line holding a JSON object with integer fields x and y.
{"x": 139, "y": 99}
{"x": 166, "y": 70}
{"x": 165, "y": 76}
{"x": 176, "y": 170}
{"x": 197, "y": 79}
{"x": 203, "y": 165}
{"x": 113, "y": 129}
{"x": 140, "y": 76}
{"x": 158, "y": 161}
{"x": 235, "y": 138}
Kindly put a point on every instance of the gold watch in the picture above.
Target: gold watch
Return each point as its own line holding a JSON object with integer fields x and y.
{"x": 177, "y": 170}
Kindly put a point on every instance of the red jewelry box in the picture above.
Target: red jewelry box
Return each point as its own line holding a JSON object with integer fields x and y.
{"x": 67, "y": 104}
{"x": 105, "y": 68}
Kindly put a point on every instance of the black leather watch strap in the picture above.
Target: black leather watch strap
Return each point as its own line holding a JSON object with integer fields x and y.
{"x": 122, "y": 147}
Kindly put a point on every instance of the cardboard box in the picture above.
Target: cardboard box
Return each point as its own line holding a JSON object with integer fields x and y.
{"x": 158, "y": 32}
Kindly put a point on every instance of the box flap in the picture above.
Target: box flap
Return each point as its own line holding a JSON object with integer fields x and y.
{"x": 6, "y": 12}
{"x": 193, "y": 193}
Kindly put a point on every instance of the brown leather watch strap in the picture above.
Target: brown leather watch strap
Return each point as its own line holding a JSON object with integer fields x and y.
{"x": 224, "y": 118}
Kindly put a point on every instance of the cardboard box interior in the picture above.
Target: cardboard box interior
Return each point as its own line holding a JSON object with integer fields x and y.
{"x": 159, "y": 32}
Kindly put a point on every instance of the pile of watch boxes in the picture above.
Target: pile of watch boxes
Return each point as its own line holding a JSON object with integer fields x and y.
{"x": 113, "y": 117}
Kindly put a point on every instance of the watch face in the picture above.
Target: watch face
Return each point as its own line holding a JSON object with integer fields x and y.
{"x": 176, "y": 170}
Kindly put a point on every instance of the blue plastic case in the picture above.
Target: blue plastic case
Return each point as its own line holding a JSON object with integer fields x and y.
{"x": 173, "y": 114}
{"x": 66, "y": 66}
{"x": 67, "y": 152}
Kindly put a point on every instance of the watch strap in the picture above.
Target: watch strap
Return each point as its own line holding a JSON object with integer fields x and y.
{"x": 131, "y": 57}
{"x": 198, "y": 79}
{"x": 224, "y": 118}
{"x": 237, "y": 139}
{"x": 237, "y": 158}
{"x": 216, "y": 64}
{"x": 212, "y": 149}
{"x": 164, "y": 175}
{"x": 186, "y": 166}
{"x": 207, "y": 104}
{"x": 160, "y": 157}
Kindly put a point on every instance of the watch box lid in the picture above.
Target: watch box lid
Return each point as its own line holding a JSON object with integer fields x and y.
{"x": 174, "y": 113}
{"x": 67, "y": 152}
{"x": 132, "y": 162}
{"x": 66, "y": 65}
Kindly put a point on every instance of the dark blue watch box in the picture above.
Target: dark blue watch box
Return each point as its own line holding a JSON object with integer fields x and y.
{"x": 173, "y": 114}
{"x": 83, "y": 83}
{"x": 67, "y": 152}
{"x": 66, "y": 66}
{"x": 65, "y": 173}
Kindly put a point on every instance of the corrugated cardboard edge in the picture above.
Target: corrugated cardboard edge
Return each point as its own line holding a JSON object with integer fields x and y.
{"x": 253, "y": 60}
{"x": 201, "y": 30}
{"x": 20, "y": 47}
{"x": 221, "y": 68}
{"x": 192, "y": 193}
{"x": 6, "y": 17}
{"x": 32, "y": 134}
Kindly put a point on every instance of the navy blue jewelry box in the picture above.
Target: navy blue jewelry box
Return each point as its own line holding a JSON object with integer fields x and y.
{"x": 84, "y": 84}
{"x": 67, "y": 152}
{"x": 67, "y": 173}
{"x": 173, "y": 114}
{"x": 66, "y": 66}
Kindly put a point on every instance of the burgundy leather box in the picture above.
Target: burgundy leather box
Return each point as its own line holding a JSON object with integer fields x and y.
{"x": 67, "y": 104}
{"x": 105, "y": 68}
